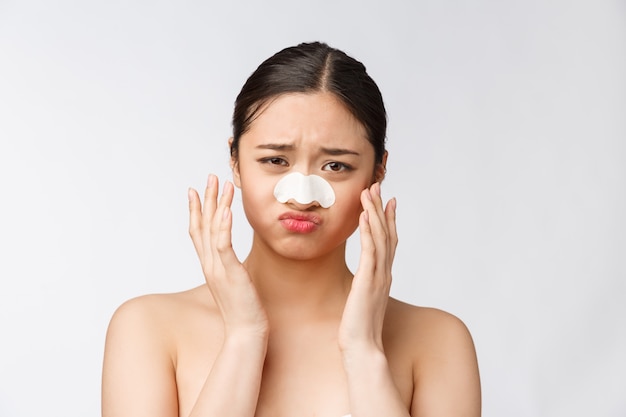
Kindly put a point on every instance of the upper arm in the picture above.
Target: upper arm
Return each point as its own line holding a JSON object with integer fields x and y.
{"x": 447, "y": 382}
{"x": 138, "y": 377}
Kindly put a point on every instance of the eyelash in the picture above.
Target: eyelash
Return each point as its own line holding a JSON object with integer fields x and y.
{"x": 342, "y": 166}
{"x": 272, "y": 160}
{"x": 277, "y": 161}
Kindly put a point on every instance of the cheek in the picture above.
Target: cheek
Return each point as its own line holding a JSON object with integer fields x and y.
{"x": 348, "y": 202}
{"x": 347, "y": 209}
{"x": 257, "y": 194}
{"x": 254, "y": 206}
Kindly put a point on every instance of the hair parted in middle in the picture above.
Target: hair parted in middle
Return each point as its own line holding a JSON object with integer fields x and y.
{"x": 310, "y": 68}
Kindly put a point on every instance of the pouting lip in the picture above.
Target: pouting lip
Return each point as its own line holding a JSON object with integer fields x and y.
{"x": 301, "y": 216}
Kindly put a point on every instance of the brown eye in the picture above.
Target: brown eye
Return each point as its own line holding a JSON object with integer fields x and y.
{"x": 274, "y": 161}
{"x": 335, "y": 167}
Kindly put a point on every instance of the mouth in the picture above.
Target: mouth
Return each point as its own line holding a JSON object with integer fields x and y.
{"x": 299, "y": 222}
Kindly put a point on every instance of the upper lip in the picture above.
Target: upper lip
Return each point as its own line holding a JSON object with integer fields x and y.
{"x": 299, "y": 215}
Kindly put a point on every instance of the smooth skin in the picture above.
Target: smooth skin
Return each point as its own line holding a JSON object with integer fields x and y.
{"x": 290, "y": 331}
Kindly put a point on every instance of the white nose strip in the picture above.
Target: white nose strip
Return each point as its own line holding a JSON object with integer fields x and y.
{"x": 304, "y": 189}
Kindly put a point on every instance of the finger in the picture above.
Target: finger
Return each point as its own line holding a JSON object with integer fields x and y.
{"x": 216, "y": 225}
{"x": 373, "y": 204}
{"x": 208, "y": 212}
{"x": 378, "y": 203}
{"x": 195, "y": 220}
{"x": 224, "y": 244}
{"x": 387, "y": 217}
{"x": 210, "y": 202}
{"x": 377, "y": 226}
{"x": 368, "y": 248}
{"x": 376, "y": 196}
{"x": 225, "y": 200}
{"x": 227, "y": 195}
{"x": 390, "y": 214}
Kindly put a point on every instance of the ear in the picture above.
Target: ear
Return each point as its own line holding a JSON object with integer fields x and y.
{"x": 381, "y": 169}
{"x": 234, "y": 164}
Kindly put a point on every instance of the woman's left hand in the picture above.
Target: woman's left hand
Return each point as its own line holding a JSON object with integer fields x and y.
{"x": 364, "y": 313}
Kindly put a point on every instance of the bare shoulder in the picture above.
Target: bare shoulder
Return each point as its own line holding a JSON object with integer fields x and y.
{"x": 445, "y": 367}
{"x": 156, "y": 312}
{"x": 140, "y": 358}
{"x": 160, "y": 319}
{"x": 161, "y": 306}
{"x": 430, "y": 327}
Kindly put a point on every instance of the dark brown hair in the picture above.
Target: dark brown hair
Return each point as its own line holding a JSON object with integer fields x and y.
{"x": 309, "y": 68}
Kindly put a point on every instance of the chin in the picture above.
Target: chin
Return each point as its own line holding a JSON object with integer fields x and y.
{"x": 307, "y": 251}
{"x": 299, "y": 252}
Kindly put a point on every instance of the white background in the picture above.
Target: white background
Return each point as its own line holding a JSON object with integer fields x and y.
{"x": 507, "y": 144}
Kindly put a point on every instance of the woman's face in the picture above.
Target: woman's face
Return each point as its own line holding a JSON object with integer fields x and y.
{"x": 309, "y": 134}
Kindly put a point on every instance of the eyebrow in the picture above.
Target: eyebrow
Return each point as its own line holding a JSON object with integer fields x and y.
{"x": 339, "y": 151}
{"x": 276, "y": 146}
{"x": 290, "y": 147}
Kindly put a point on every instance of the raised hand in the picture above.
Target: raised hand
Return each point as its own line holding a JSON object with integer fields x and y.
{"x": 364, "y": 313}
{"x": 210, "y": 226}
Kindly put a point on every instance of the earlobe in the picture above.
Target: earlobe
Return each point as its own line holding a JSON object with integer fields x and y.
{"x": 381, "y": 169}
{"x": 234, "y": 164}
{"x": 235, "y": 168}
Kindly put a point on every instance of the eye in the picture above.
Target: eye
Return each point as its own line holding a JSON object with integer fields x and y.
{"x": 336, "y": 167}
{"x": 274, "y": 160}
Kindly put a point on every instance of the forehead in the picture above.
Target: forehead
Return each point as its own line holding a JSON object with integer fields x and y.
{"x": 307, "y": 118}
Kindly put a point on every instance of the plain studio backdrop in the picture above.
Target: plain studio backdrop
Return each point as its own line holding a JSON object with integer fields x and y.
{"x": 507, "y": 142}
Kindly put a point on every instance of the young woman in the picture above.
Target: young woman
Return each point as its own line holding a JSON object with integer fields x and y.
{"x": 291, "y": 331}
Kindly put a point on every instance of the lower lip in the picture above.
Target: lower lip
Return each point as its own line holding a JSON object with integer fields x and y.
{"x": 299, "y": 226}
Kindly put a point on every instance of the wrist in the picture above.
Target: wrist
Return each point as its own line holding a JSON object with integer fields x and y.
{"x": 363, "y": 353}
{"x": 246, "y": 336}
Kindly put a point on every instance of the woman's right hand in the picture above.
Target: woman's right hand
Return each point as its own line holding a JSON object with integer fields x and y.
{"x": 210, "y": 226}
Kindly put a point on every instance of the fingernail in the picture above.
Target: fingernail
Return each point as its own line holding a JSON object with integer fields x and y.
{"x": 377, "y": 188}
{"x": 211, "y": 181}
{"x": 189, "y": 192}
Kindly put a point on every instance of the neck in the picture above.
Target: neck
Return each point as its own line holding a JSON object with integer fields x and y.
{"x": 293, "y": 287}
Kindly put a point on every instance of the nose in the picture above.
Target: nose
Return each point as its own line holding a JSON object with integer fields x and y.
{"x": 296, "y": 205}
{"x": 304, "y": 191}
